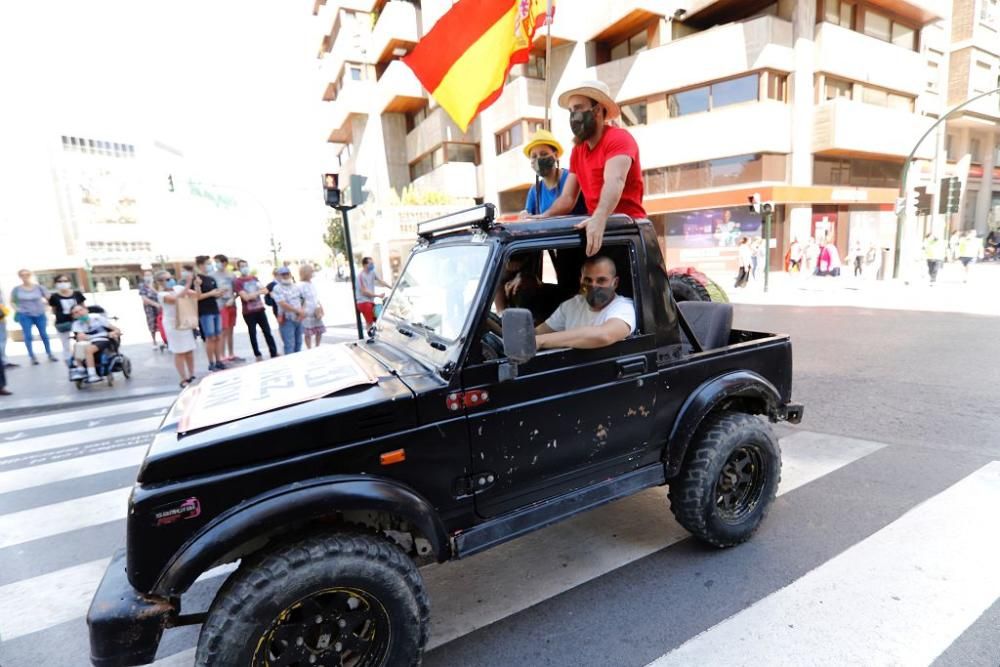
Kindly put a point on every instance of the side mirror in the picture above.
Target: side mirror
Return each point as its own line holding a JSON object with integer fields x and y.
{"x": 519, "y": 335}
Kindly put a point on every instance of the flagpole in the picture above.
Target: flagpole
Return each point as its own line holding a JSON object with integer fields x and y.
{"x": 548, "y": 61}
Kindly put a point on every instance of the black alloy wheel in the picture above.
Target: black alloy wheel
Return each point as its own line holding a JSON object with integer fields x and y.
{"x": 340, "y": 627}
{"x": 740, "y": 486}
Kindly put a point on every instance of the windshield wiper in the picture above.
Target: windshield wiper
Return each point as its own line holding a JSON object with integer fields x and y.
{"x": 403, "y": 330}
{"x": 435, "y": 341}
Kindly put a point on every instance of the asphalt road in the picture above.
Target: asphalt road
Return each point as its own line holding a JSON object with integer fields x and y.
{"x": 879, "y": 550}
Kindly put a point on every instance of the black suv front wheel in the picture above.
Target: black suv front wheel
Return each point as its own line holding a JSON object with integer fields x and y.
{"x": 729, "y": 479}
{"x": 331, "y": 599}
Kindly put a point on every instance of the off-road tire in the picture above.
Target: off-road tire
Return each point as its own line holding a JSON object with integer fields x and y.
{"x": 268, "y": 584}
{"x": 695, "y": 493}
{"x": 687, "y": 288}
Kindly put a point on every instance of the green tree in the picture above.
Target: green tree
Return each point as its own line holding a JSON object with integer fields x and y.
{"x": 334, "y": 236}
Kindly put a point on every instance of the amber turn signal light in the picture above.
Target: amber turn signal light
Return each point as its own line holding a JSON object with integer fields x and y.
{"x": 395, "y": 456}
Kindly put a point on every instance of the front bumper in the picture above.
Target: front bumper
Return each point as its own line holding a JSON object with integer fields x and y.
{"x": 125, "y": 625}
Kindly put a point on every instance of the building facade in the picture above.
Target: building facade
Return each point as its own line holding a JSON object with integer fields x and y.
{"x": 813, "y": 104}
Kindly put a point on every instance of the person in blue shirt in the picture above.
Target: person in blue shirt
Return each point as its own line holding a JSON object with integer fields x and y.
{"x": 544, "y": 151}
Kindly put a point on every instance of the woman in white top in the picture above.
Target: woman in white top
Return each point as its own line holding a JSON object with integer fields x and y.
{"x": 179, "y": 342}
{"x": 745, "y": 261}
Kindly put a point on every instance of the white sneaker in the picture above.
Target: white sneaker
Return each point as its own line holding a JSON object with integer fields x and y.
{"x": 94, "y": 379}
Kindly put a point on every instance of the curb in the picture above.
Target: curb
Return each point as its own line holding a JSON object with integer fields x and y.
{"x": 28, "y": 410}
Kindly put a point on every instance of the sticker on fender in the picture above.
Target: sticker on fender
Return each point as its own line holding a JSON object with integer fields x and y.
{"x": 167, "y": 514}
{"x": 249, "y": 390}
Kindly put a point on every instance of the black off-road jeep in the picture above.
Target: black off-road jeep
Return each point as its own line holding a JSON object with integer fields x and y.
{"x": 333, "y": 474}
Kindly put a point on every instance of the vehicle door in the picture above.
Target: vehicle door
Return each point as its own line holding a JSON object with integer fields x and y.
{"x": 571, "y": 417}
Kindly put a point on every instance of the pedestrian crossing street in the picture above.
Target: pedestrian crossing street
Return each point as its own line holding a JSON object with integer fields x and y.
{"x": 900, "y": 595}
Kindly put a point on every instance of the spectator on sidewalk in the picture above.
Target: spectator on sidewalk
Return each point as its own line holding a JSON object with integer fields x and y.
{"x": 30, "y": 301}
{"x": 5, "y": 313}
{"x": 288, "y": 296}
{"x": 744, "y": 262}
{"x": 62, "y": 301}
{"x": 3, "y": 382}
{"x": 227, "y": 307}
{"x": 829, "y": 260}
{"x": 269, "y": 295}
{"x": 755, "y": 254}
{"x": 856, "y": 258}
{"x": 250, "y": 292}
{"x": 150, "y": 304}
{"x": 934, "y": 253}
{"x": 795, "y": 256}
{"x": 312, "y": 324}
{"x": 367, "y": 280}
{"x": 811, "y": 254}
{"x": 970, "y": 249}
{"x": 180, "y": 342}
{"x": 209, "y": 319}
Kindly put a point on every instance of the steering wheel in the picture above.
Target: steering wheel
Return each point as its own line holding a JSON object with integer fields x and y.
{"x": 492, "y": 341}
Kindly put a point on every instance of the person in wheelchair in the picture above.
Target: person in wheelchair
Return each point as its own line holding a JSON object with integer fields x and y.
{"x": 94, "y": 335}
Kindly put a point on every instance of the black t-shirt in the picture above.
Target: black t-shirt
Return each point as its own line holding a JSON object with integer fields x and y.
{"x": 208, "y": 306}
{"x": 62, "y": 306}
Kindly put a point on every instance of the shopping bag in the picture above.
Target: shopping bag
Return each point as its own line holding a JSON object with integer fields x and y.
{"x": 187, "y": 313}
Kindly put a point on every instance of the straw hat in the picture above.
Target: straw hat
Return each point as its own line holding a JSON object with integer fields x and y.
{"x": 595, "y": 90}
{"x": 543, "y": 138}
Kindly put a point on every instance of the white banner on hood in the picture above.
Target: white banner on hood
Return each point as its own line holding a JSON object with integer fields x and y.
{"x": 251, "y": 390}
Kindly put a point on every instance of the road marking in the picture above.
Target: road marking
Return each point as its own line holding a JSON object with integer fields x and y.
{"x": 80, "y": 437}
{"x": 49, "y": 520}
{"x": 84, "y": 414}
{"x": 31, "y": 605}
{"x": 576, "y": 551}
{"x": 47, "y": 473}
{"x": 900, "y": 597}
{"x": 15, "y": 436}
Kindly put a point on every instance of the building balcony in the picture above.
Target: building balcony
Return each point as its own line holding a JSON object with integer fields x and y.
{"x": 436, "y": 129}
{"x": 353, "y": 100}
{"x": 459, "y": 180}
{"x": 734, "y": 48}
{"x": 705, "y": 13}
{"x": 395, "y": 32}
{"x": 844, "y": 127}
{"x": 523, "y": 97}
{"x": 720, "y": 133}
{"x": 399, "y": 90}
{"x": 331, "y": 66}
{"x": 962, "y": 87}
{"x": 512, "y": 171}
{"x": 852, "y": 55}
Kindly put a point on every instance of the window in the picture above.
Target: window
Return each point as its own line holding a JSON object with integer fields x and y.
{"x": 874, "y": 96}
{"x": 634, "y": 113}
{"x": 932, "y": 76}
{"x": 719, "y": 94}
{"x": 949, "y": 146}
{"x": 533, "y": 69}
{"x": 989, "y": 13}
{"x": 983, "y": 78}
{"x": 838, "y": 88}
{"x": 414, "y": 118}
{"x": 777, "y": 87}
{"x": 355, "y": 73}
{"x": 461, "y": 153}
{"x": 901, "y": 102}
{"x": 839, "y": 13}
{"x": 877, "y": 26}
{"x": 446, "y": 152}
{"x": 856, "y": 173}
{"x": 975, "y": 148}
{"x": 716, "y": 173}
{"x": 904, "y": 35}
{"x": 517, "y": 134}
{"x": 630, "y": 46}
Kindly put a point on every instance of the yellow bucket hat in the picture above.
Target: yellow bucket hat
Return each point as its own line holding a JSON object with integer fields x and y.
{"x": 543, "y": 137}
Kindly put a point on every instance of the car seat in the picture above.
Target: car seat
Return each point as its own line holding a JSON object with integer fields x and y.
{"x": 710, "y": 322}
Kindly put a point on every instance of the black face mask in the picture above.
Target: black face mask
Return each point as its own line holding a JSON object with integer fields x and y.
{"x": 545, "y": 165}
{"x": 583, "y": 124}
{"x": 599, "y": 297}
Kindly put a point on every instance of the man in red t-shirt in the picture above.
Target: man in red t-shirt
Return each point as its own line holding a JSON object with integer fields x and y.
{"x": 604, "y": 163}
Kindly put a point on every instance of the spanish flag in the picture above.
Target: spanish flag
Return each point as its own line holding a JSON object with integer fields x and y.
{"x": 464, "y": 60}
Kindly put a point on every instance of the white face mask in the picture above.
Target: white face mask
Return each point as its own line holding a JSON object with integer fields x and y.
{"x": 286, "y": 281}
{"x": 62, "y": 285}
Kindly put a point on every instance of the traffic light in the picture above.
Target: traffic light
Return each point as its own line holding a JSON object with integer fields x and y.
{"x": 948, "y": 197}
{"x": 923, "y": 200}
{"x": 912, "y": 204}
{"x": 331, "y": 190}
{"x": 170, "y": 182}
{"x": 358, "y": 193}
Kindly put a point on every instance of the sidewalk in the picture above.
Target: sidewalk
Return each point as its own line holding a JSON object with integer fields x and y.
{"x": 980, "y": 296}
{"x": 46, "y": 387}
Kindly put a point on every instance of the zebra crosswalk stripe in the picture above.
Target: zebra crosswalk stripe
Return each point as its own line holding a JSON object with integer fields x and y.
{"x": 34, "y": 604}
{"x": 82, "y": 415}
{"x": 46, "y": 521}
{"x": 47, "y": 473}
{"x": 900, "y": 597}
{"x": 69, "y": 438}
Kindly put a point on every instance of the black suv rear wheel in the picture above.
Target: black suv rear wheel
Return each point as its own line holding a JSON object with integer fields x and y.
{"x": 331, "y": 599}
{"x": 729, "y": 479}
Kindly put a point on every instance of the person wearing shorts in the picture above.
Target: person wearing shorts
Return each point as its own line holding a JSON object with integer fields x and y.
{"x": 224, "y": 279}
{"x": 93, "y": 335}
{"x": 367, "y": 281}
{"x": 209, "y": 317}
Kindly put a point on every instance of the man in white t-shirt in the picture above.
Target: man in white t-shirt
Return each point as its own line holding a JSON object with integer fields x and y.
{"x": 597, "y": 317}
{"x": 93, "y": 334}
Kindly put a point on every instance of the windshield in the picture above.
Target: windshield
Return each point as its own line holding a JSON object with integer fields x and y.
{"x": 431, "y": 303}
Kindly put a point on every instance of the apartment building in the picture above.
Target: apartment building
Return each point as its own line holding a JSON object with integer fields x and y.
{"x": 813, "y": 104}
{"x": 972, "y": 142}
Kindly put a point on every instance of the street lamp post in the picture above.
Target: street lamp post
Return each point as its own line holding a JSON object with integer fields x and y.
{"x": 344, "y": 208}
{"x": 901, "y": 202}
